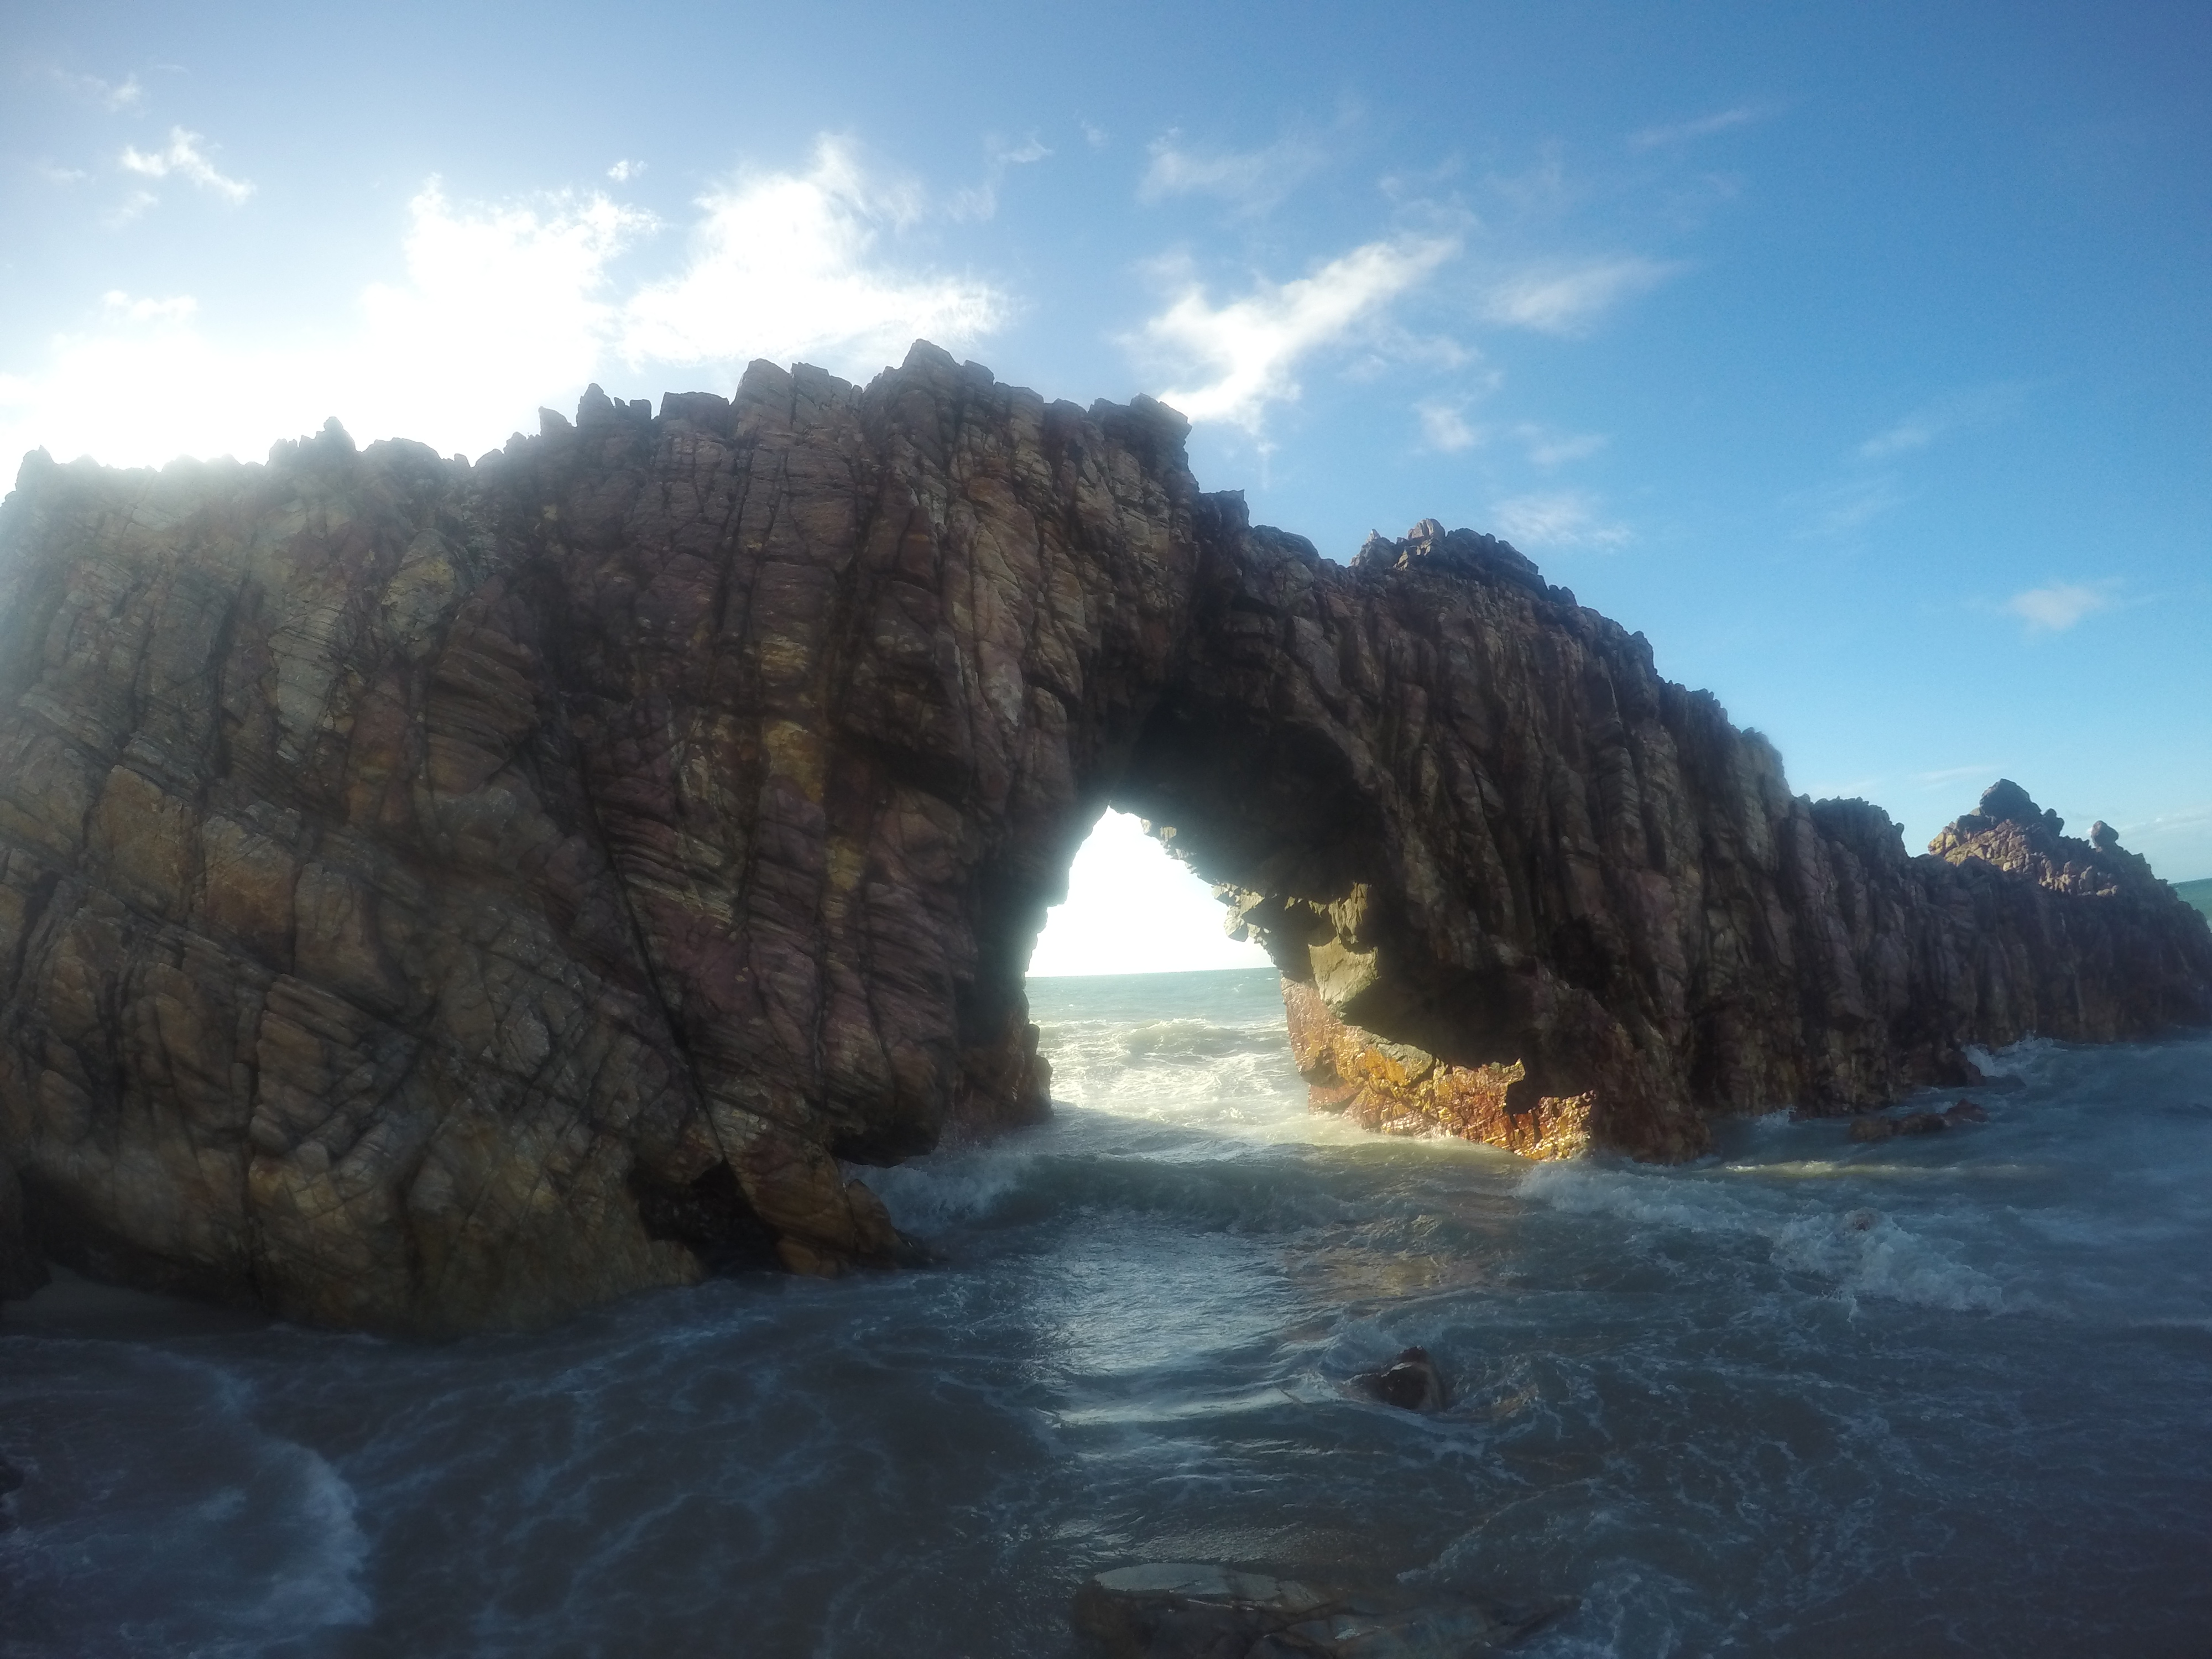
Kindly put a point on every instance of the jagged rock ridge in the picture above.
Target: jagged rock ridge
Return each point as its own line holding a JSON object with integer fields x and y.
{"x": 436, "y": 897}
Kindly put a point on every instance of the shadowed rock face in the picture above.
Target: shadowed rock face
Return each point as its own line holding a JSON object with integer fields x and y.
{"x": 434, "y": 897}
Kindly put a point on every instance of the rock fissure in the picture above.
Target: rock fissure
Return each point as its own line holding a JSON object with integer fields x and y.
{"x": 436, "y": 897}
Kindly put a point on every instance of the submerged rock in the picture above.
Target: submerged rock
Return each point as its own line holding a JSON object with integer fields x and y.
{"x": 1191, "y": 1610}
{"x": 1909, "y": 1123}
{"x": 436, "y": 896}
{"x": 1411, "y": 1382}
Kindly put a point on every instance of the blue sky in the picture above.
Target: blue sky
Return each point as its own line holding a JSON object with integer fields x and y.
{"x": 1859, "y": 355}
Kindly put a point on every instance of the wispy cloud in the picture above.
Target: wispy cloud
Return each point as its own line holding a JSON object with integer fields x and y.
{"x": 1444, "y": 427}
{"x": 1563, "y": 519}
{"x": 1704, "y": 126}
{"x": 625, "y": 170}
{"x": 183, "y": 157}
{"x": 2178, "y": 840}
{"x": 1253, "y": 180}
{"x": 2055, "y": 609}
{"x": 787, "y": 265}
{"x": 981, "y": 201}
{"x": 175, "y": 308}
{"x": 1936, "y": 779}
{"x": 1570, "y": 299}
{"x": 126, "y": 93}
{"x": 1930, "y": 421}
{"x": 1547, "y": 448}
{"x": 1845, "y": 507}
{"x": 1249, "y": 349}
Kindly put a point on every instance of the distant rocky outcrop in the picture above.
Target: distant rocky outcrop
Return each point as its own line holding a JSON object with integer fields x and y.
{"x": 436, "y": 896}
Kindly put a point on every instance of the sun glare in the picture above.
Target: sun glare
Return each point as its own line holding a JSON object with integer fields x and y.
{"x": 1130, "y": 908}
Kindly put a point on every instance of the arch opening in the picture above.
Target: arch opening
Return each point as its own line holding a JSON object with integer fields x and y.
{"x": 1132, "y": 908}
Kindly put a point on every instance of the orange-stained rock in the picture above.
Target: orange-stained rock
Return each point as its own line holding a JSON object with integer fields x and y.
{"x": 1398, "y": 1090}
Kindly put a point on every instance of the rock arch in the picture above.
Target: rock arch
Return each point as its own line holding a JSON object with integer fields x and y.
{"x": 435, "y": 895}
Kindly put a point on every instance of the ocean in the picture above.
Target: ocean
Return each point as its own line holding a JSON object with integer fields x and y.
{"x": 1943, "y": 1394}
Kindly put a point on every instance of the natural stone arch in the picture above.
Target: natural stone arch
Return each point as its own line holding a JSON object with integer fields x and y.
{"x": 435, "y": 896}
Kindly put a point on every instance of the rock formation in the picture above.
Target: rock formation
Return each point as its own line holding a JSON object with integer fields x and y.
{"x": 436, "y": 896}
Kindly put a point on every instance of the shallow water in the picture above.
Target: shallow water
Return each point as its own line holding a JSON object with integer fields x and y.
{"x": 1948, "y": 1394}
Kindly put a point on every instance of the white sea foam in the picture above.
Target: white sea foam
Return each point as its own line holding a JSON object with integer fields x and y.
{"x": 320, "y": 1583}
{"x": 1858, "y": 1250}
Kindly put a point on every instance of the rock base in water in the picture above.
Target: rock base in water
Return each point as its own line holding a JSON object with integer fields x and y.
{"x": 1411, "y": 1382}
{"x": 1193, "y": 1610}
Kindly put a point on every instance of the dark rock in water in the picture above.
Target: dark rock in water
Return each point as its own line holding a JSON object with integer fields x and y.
{"x": 1910, "y": 1123}
{"x": 1190, "y": 1610}
{"x": 1167, "y": 1608}
{"x": 1967, "y": 1111}
{"x": 434, "y": 897}
{"x": 1411, "y": 1382}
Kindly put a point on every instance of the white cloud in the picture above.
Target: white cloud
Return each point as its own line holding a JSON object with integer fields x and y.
{"x": 1253, "y": 180}
{"x": 1250, "y": 348}
{"x": 1569, "y": 299}
{"x": 1548, "y": 449}
{"x": 501, "y": 309}
{"x": 1095, "y": 136}
{"x": 1705, "y": 126}
{"x": 173, "y": 309}
{"x": 1565, "y": 519}
{"x": 1988, "y": 770}
{"x": 783, "y": 265}
{"x": 980, "y": 202}
{"x": 184, "y": 158}
{"x": 1443, "y": 426}
{"x": 496, "y": 309}
{"x": 1842, "y": 508}
{"x": 625, "y": 170}
{"x": 1923, "y": 426}
{"x": 125, "y": 93}
{"x": 2057, "y": 608}
{"x": 1914, "y": 432}
{"x": 130, "y": 208}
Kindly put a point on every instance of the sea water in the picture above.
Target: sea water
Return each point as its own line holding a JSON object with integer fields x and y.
{"x": 1944, "y": 1395}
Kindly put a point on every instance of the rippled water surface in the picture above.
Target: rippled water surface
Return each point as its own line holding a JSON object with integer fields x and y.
{"x": 1950, "y": 1395}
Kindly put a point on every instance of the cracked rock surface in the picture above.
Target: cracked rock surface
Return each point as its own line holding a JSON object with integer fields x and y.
{"x": 436, "y": 897}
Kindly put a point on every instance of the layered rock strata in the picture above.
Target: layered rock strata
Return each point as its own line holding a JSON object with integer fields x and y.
{"x": 437, "y": 896}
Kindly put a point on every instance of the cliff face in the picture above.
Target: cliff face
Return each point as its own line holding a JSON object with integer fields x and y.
{"x": 436, "y": 896}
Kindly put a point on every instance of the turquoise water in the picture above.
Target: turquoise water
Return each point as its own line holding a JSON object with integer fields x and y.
{"x": 2198, "y": 893}
{"x": 1947, "y": 1394}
